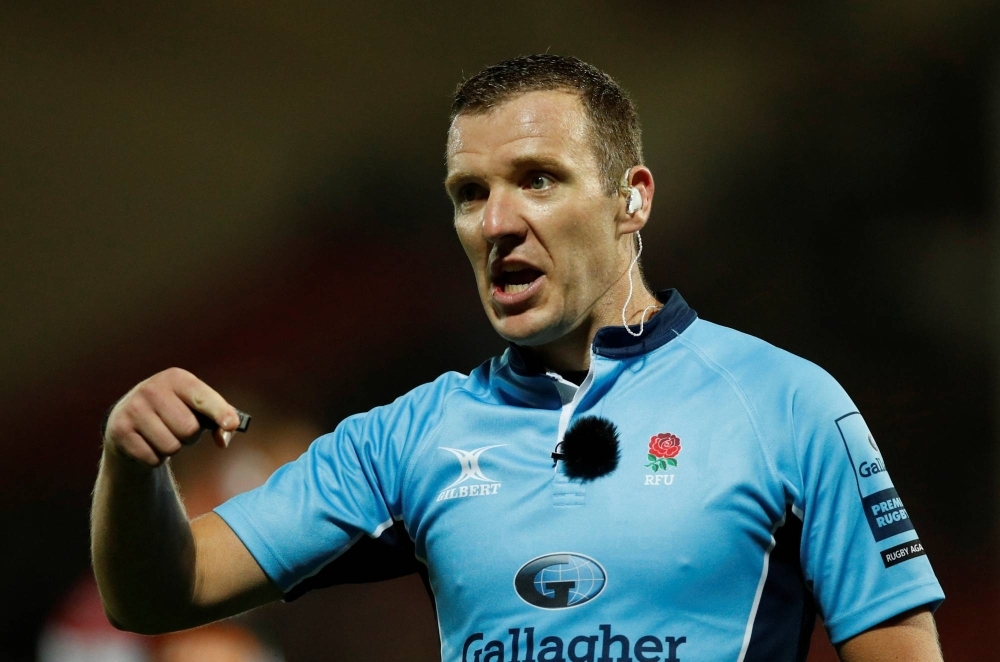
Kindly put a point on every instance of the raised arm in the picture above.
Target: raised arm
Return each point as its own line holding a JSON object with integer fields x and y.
{"x": 158, "y": 572}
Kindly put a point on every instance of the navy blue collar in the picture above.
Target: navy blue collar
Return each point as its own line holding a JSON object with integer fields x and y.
{"x": 614, "y": 342}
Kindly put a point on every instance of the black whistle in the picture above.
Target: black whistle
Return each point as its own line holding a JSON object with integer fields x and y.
{"x": 208, "y": 423}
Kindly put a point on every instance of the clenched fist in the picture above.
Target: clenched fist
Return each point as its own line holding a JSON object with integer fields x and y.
{"x": 157, "y": 417}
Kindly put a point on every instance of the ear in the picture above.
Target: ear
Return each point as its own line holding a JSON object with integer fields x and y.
{"x": 640, "y": 178}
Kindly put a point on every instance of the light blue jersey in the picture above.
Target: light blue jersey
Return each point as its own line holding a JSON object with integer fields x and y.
{"x": 749, "y": 491}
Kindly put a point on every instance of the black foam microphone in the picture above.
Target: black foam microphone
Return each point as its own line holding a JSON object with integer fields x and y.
{"x": 589, "y": 449}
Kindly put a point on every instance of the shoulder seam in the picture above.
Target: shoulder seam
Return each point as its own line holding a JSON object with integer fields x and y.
{"x": 411, "y": 457}
{"x": 801, "y": 485}
{"x": 741, "y": 395}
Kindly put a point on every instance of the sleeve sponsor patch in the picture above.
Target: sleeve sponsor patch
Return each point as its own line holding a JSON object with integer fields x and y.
{"x": 886, "y": 514}
{"x": 904, "y": 552}
{"x": 883, "y": 508}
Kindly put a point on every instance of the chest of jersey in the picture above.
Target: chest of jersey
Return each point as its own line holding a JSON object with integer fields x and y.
{"x": 665, "y": 551}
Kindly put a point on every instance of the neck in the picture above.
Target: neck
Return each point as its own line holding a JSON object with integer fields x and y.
{"x": 571, "y": 352}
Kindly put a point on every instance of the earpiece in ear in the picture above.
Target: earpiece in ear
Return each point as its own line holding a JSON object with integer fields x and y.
{"x": 634, "y": 200}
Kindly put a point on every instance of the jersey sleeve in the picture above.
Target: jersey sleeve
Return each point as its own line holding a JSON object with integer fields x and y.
{"x": 345, "y": 486}
{"x": 859, "y": 549}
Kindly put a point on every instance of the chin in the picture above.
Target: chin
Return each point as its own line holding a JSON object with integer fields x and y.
{"x": 528, "y": 329}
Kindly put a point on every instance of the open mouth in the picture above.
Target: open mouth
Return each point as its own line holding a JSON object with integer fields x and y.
{"x": 515, "y": 279}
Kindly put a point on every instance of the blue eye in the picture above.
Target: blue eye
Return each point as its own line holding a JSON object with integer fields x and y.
{"x": 539, "y": 182}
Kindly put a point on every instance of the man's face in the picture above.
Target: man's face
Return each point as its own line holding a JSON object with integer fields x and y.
{"x": 533, "y": 216}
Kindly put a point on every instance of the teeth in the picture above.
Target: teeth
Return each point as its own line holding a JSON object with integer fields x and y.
{"x": 510, "y": 288}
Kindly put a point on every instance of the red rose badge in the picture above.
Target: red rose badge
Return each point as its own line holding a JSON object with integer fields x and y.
{"x": 663, "y": 448}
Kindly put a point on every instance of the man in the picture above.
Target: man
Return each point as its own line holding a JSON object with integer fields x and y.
{"x": 748, "y": 488}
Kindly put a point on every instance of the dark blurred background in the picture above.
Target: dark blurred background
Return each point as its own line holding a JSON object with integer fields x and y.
{"x": 252, "y": 191}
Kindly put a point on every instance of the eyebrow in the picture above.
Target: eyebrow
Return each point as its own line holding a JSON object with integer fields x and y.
{"x": 538, "y": 161}
{"x": 524, "y": 162}
{"x": 454, "y": 178}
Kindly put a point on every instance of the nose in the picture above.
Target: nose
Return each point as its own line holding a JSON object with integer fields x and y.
{"x": 502, "y": 218}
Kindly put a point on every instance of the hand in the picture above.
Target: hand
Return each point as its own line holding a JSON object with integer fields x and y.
{"x": 155, "y": 419}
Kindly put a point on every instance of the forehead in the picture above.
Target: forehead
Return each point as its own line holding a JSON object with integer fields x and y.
{"x": 550, "y": 124}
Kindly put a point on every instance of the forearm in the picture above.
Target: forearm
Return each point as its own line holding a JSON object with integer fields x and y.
{"x": 156, "y": 571}
{"x": 911, "y": 636}
{"x": 142, "y": 545}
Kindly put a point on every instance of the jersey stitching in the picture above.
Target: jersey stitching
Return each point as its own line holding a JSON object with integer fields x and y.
{"x": 251, "y": 523}
{"x": 333, "y": 557}
{"x": 798, "y": 465}
{"x": 420, "y": 448}
{"x": 285, "y": 566}
{"x": 741, "y": 395}
{"x": 748, "y": 633}
{"x": 901, "y": 591}
{"x": 372, "y": 478}
{"x": 381, "y": 528}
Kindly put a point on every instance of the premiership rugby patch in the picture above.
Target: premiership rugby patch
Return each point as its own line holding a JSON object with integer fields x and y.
{"x": 883, "y": 508}
{"x": 886, "y": 514}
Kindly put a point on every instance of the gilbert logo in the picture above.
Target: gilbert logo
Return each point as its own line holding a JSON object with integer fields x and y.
{"x": 663, "y": 451}
{"x": 469, "y": 462}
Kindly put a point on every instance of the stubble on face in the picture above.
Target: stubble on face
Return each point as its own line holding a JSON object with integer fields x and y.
{"x": 530, "y": 207}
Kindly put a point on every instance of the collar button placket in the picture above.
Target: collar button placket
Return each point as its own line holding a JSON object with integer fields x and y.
{"x": 566, "y": 492}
